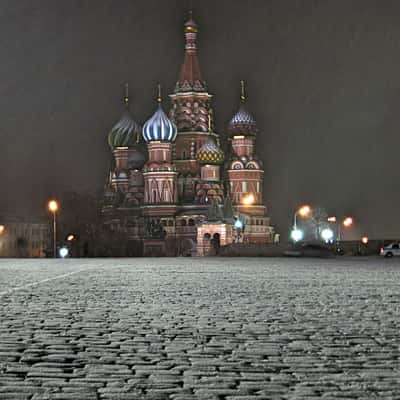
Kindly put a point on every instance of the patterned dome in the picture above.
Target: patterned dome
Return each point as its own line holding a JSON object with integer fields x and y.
{"x": 210, "y": 153}
{"x": 159, "y": 128}
{"x": 242, "y": 123}
{"x": 124, "y": 133}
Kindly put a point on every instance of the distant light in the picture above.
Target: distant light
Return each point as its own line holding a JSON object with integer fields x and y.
{"x": 53, "y": 205}
{"x": 327, "y": 234}
{"x": 347, "y": 222}
{"x": 238, "y": 224}
{"x": 2, "y": 228}
{"x": 63, "y": 252}
{"x": 364, "y": 240}
{"x": 70, "y": 237}
{"x": 304, "y": 211}
{"x": 296, "y": 235}
{"x": 248, "y": 199}
{"x": 332, "y": 219}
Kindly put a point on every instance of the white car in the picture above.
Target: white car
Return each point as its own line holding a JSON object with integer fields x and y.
{"x": 393, "y": 249}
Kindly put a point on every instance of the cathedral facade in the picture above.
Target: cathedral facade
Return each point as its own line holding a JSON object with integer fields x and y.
{"x": 171, "y": 189}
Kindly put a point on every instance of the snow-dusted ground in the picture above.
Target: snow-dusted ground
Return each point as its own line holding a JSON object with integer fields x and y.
{"x": 233, "y": 329}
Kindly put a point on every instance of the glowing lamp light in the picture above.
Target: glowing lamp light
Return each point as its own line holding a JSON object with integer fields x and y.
{"x": 248, "y": 199}
{"x": 2, "y": 228}
{"x": 347, "y": 222}
{"x": 304, "y": 211}
{"x": 238, "y": 224}
{"x": 327, "y": 234}
{"x": 332, "y": 219}
{"x": 53, "y": 206}
{"x": 63, "y": 252}
{"x": 296, "y": 235}
{"x": 364, "y": 240}
{"x": 70, "y": 237}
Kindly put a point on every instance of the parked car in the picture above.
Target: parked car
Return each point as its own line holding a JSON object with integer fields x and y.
{"x": 393, "y": 249}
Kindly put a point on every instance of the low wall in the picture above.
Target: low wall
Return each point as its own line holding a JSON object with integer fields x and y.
{"x": 350, "y": 248}
{"x": 253, "y": 250}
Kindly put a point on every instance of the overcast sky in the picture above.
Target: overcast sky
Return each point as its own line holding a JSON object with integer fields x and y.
{"x": 323, "y": 81}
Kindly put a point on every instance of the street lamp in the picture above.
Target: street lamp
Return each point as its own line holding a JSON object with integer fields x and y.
{"x": 2, "y": 229}
{"x": 303, "y": 211}
{"x": 364, "y": 240}
{"x": 347, "y": 222}
{"x": 327, "y": 234}
{"x": 64, "y": 252}
{"x": 53, "y": 207}
{"x": 296, "y": 235}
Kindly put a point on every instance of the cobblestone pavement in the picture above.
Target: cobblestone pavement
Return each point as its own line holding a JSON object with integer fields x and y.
{"x": 183, "y": 329}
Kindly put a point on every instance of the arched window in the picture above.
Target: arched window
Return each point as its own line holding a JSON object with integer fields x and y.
{"x": 207, "y": 236}
{"x": 183, "y": 222}
{"x": 191, "y": 222}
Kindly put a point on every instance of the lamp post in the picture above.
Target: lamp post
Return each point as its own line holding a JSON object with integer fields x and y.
{"x": 53, "y": 207}
{"x": 303, "y": 212}
{"x": 347, "y": 222}
{"x": 297, "y": 234}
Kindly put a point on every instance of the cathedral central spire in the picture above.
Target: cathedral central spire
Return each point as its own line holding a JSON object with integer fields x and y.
{"x": 190, "y": 78}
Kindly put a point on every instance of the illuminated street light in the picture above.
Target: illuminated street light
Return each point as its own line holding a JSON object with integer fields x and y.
{"x": 327, "y": 234}
{"x": 70, "y": 237}
{"x": 238, "y": 224}
{"x": 53, "y": 207}
{"x": 303, "y": 211}
{"x": 63, "y": 252}
{"x": 296, "y": 235}
{"x": 364, "y": 240}
{"x": 2, "y": 229}
{"x": 248, "y": 199}
{"x": 347, "y": 222}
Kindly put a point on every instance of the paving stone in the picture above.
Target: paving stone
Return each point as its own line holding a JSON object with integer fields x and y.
{"x": 222, "y": 329}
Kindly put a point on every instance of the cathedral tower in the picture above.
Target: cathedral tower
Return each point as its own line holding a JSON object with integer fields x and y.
{"x": 191, "y": 108}
{"x": 246, "y": 175}
{"x": 161, "y": 196}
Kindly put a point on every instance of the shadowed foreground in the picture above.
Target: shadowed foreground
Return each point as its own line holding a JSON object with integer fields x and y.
{"x": 227, "y": 329}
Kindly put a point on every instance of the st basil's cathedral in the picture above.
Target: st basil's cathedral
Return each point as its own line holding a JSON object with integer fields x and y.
{"x": 171, "y": 189}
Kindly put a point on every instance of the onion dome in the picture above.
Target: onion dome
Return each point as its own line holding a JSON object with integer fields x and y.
{"x": 159, "y": 127}
{"x": 242, "y": 123}
{"x": 126, "y": 131}
{"x": 210, "y": 153}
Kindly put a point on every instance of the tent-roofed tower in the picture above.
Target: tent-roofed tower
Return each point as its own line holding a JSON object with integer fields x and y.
{"x": 191, "y": 108}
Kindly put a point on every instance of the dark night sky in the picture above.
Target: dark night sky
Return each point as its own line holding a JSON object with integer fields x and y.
{"x": 323, "y": 81}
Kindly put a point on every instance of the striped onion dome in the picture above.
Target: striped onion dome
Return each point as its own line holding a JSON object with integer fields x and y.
{"x": 210, "y": 153}
{"x": 159, "y": 128}
{"x": 242, "y": 123}
{"x": 124, "y": 133}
